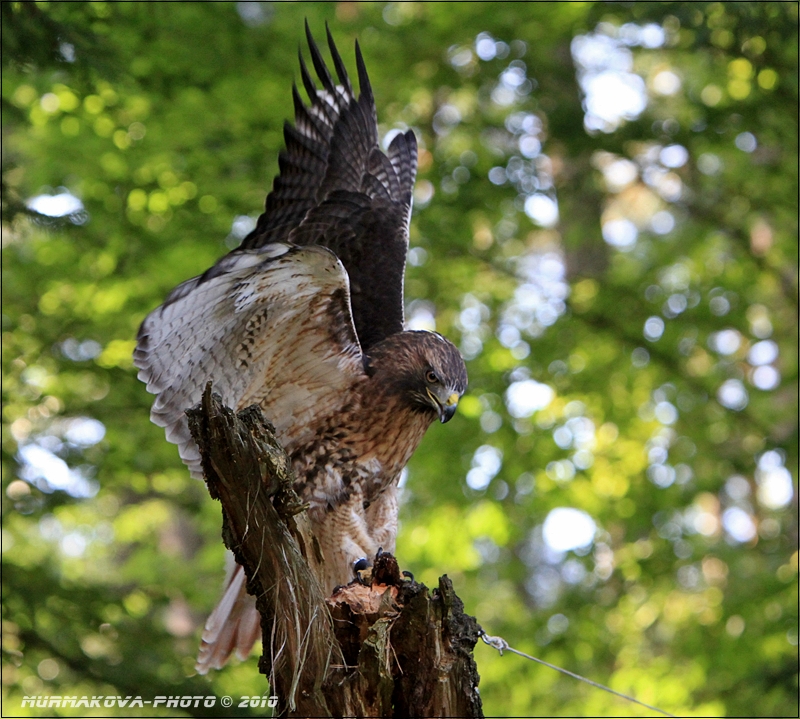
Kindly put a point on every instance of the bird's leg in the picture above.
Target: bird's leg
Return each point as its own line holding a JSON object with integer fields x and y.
{"x": 381, "y": 519}
{"x": 357, "y": 547}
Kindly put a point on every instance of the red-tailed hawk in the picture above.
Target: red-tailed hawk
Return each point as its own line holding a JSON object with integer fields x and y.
{"x": 305, "y": 319}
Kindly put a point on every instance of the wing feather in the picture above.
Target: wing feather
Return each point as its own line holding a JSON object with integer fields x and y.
{"x": 270, "y": 326}
{"x": 333, "y": 149}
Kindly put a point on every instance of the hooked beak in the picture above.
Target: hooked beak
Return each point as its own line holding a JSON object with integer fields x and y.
{"x": 446, "y": 407}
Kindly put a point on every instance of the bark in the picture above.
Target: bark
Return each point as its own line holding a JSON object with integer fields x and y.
{"x": 387, "y": 647}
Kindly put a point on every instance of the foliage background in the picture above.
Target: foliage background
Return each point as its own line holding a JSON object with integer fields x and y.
{"x": 642, "y": 308}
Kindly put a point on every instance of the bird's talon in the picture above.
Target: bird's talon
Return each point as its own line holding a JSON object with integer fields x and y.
{"x": 362, "y": 571}
{"x": 408, "y": 575}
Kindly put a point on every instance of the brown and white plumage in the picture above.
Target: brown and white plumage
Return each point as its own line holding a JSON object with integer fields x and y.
{"x": 305, "y": 319}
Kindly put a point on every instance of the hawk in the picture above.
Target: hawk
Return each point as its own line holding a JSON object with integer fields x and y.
{"x": 305, "y": 319}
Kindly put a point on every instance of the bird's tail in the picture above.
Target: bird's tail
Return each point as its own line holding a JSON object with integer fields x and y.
{"x": 234, "y": 625}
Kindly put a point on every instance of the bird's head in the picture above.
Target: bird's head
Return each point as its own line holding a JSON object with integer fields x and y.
{"x": 423, "y": 368}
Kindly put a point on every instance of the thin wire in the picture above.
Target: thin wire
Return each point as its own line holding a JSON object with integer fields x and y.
{"x": 502, "y": 646}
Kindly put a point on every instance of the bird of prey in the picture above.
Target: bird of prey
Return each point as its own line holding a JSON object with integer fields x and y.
{"x": 305, "y": 319}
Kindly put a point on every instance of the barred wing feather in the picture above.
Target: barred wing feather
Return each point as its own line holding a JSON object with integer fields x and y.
{"x": 337, "y": 189}
{"x": 270, "y": 326}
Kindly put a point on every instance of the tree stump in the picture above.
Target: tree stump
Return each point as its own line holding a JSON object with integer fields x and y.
{"x": 386, "y": 648}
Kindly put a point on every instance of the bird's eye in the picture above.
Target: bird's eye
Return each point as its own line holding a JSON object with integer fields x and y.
{"x": 430, "y": 375}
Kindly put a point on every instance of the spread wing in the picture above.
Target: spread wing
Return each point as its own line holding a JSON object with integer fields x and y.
{"x": 337, "y": 189}
{"x": 271, "y": 325}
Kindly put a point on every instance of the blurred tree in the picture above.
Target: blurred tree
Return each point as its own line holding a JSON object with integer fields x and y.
{"x": 605, "y": 220}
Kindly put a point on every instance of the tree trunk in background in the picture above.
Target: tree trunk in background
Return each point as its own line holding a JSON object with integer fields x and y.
{"x": 389, "y": 649}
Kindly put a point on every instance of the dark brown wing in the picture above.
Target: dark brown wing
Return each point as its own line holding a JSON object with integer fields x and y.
{"x": 337, "y": 189}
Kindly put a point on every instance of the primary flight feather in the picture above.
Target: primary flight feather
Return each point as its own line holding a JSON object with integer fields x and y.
{"x": 305, "y": 319}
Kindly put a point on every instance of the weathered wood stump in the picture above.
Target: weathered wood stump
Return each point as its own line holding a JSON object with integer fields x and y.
{"x": 388, "y": 648}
